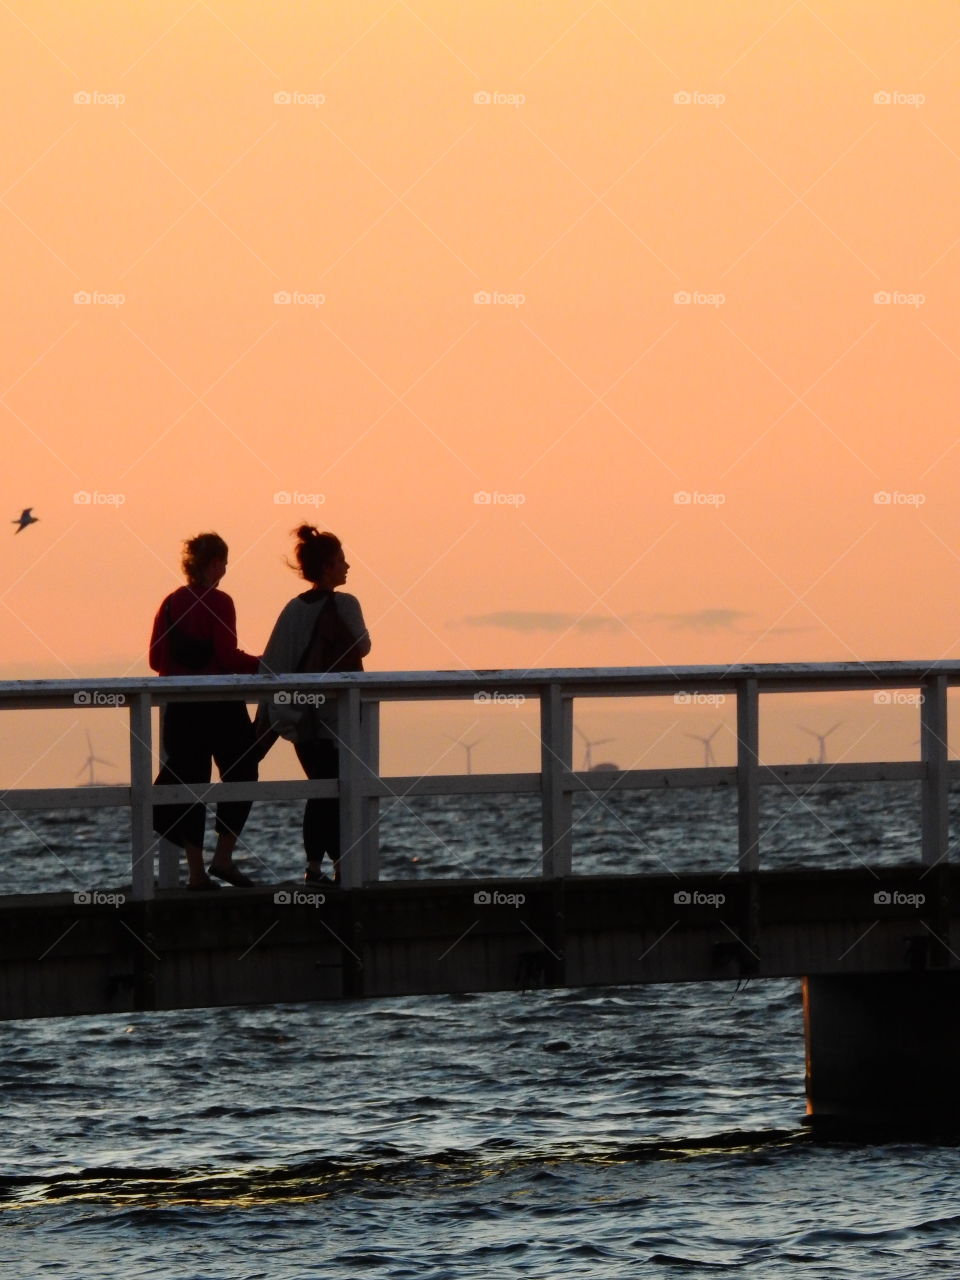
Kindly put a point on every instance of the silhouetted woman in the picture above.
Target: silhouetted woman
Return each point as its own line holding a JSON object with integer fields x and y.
{"x": 195, "y": 634}
{"x": 320, "y": 630}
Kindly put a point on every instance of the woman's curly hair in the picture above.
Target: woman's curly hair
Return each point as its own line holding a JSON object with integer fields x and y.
{"x": 199, "y": 553}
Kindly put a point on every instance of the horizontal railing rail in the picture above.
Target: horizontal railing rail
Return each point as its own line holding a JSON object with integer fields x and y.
{"x": 360, "y": 786}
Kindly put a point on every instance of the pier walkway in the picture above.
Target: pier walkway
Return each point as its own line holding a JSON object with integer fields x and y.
{"x": 877, "y": 948}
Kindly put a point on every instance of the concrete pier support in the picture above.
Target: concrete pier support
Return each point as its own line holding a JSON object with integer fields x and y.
{"x": 883, "y": 1051}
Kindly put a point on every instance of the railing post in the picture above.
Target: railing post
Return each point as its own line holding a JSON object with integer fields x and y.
{"x": 168, "y": 859}
{"x": 142, "y": 839}
{"x": 370, "y": 808}
{"x": 556, "y": 754}
{"x": 748, "y": 773}
{"x": 935, "y": 820}
{"x": 351, "y": 788}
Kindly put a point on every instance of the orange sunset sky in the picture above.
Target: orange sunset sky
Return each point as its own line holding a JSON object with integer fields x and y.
{"x": 722, "y": 253}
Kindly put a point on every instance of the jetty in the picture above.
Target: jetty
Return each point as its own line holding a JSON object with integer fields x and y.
{"x": 875, "y": 948}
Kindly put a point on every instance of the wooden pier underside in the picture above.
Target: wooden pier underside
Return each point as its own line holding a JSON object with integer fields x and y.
{"x": 295, "y": 943}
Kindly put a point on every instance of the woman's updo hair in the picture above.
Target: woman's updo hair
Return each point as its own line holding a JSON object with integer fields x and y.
{"x": 315, "y": 552}
{"x": 199, "y": 553}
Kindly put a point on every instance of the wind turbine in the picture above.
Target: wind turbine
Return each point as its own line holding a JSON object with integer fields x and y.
{"x": 468, "y": 748}
{"x": 708, "y": 756}
{"x": 589, "y": 744}
{"x": 822, "y": 739}
{"x": 90, "y": 761}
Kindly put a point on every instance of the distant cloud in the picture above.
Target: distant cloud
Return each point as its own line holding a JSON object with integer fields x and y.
{"x": 700, "y": 619}
{"x": 521, "y": 620}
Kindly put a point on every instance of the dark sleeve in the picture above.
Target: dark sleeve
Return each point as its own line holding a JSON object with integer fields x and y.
{"x": 159, "y": 657}
{"x": 230, "y": 659}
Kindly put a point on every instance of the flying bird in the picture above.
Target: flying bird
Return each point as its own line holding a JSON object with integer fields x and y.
{"x": 26, "y": 517}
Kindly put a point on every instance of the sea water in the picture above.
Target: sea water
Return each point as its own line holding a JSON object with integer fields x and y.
{"x": 576, "y": 1133}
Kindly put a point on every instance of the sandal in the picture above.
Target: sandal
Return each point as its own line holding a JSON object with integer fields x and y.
{"x": 310, "y": 876}
{"x": 232, "y": 875}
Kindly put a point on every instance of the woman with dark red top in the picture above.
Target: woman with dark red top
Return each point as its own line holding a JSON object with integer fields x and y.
{"x": 195, "y": 633}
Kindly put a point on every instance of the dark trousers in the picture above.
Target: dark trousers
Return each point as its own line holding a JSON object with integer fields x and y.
{"x": 321, "y": 818}
{"x": 194, "y": 735}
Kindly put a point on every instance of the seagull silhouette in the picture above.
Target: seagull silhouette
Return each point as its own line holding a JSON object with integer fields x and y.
{"x": 25, "y": 519}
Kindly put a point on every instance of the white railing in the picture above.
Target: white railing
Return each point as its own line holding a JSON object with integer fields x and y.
{"x": 360, "y": 786}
